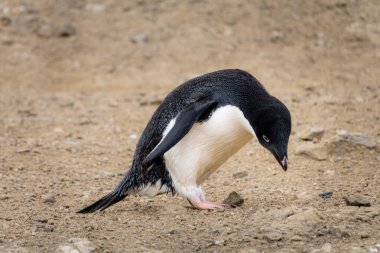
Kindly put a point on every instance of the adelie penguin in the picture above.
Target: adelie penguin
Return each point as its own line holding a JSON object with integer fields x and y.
{"x": 196, "y": 129}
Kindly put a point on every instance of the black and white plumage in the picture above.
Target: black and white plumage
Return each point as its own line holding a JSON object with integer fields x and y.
{"x": 196, "y": 129}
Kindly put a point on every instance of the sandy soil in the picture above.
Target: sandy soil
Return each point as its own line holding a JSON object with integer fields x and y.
{"x": 80, "y": 79}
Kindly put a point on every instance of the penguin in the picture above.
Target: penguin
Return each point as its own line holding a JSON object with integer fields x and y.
{"x": 197, "y": 127}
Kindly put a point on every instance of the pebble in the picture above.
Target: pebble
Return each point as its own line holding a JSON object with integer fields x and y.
{"x": 326, "y": 248}
{"x": 356, "y": 200}
{"x": 139, "y": 38}
{"x": 234, "y": 199}
{"x": 77, "y": 245}
{"x": 48, "y": 198}
{"x": 42, "y": 227}
{"x": 313, "y": 151}
{"x": 326, "y": 195}
{"x": 296, "y": 238}
{"x": 240, "y": 174}
{"x": 357, "y": 139}
{"x": 311, "y": 133}
{"x": 273, "y": 236}
{"x": 67, "y": 30}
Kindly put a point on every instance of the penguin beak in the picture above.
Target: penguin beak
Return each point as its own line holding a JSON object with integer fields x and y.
{"x": 282, "y": 159}
{"x": 284, "y": 163}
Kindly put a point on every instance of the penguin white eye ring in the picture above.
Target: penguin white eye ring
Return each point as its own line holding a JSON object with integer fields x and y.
{"x": 197, "y": 127}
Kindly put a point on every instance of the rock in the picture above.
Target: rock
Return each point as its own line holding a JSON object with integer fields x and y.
{"x": 42, "y": 227}
{"x": 326, "y": 248}
{"x": 12, "y": 249}
{"x": 304, "y": 221}
{"x": 105, "y": 174}
{"x": 356, "y": 200}
{"x": 296, "y": 238}
{"x": 276, "y": 36}
{"x": 367, "y": 214}
{"x": 234, "y": 199}
{"x": 48, "y": 198}
{"x": 315, "y": 151}
{"x": 359, "y": 139}
{"x": 44, "y": 28}
{"x": 326, "y": 195}
{"x": 364, "y": 234}
{"x": 139, "y": 38}
{"x": 273, "y": 236}
{"x": 66, "y": 249}
{"x": 357, "y": 250}
{"x": 67, "y": 30}
{"x": 372, "y": 250}
{"x": 240, "y": 174}
{"x": 311, "y": 133}
{"x": 96, "y": 8}
{"x": 76, "y": 245}
{"x": 83, "y": 245}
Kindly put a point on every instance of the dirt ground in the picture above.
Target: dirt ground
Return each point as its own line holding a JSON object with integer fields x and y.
{"x": 80, "y": 79}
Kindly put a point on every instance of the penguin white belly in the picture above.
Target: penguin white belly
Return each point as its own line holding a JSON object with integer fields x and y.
{"x": 206, "y": 146}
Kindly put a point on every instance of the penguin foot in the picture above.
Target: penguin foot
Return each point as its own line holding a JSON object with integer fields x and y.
{"x": 206, "y": 205}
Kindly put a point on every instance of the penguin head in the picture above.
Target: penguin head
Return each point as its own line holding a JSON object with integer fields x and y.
{"x": 272, "y": 127}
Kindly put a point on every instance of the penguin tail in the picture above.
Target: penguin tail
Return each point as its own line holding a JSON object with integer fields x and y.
{"x": 120, "y": 192}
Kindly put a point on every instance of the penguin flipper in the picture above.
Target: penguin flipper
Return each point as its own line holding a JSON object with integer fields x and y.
{"x": 183, "y": 123}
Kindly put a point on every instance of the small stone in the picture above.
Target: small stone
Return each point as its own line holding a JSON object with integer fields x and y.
{"x": 58, "y": 130}
{"x": 357, "y": 250}
{"x": 23, "y": 150}
{"x": 42, "y": 227}
{"x": 139, "y": 38}
{"x": 240, "y": 174}
{"x": 84, "y": 121}
{"x": 96, "y": 8}
{"x": 67, "y": 30}
{"x": 234, "y": 199}
{"x": 364, "y": 234}
{"x": 312, "y": 133}
{"x": 314, "y": 151}
{"x": 66, "y": 249}
{"x": 83, "y": 245}
{"x": 296, "y": 238}
{"x": 273, "y": 236}
{"x": 326, "y": 248}
{"x": 105, "y": 174}
{"x": 48, "y": 198}
{"x": 44, "y": 28}
{"x": 276, "y": 36}
{"x": 372, "y": 250}
{"x": 359, "y": 139}
{"x": 326, "y": 195}
{"x": 356, "y": 200}
{"x": 173, "y": 232}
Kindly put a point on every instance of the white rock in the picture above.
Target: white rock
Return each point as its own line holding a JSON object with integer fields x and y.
{"x": 48, "y": 198}
{"x": 83, "y": 245}
{"x": 311, "y": 133}
{"x": 77, "y": 245}
{"x": 326, "y": 248}
{"x": 139, "y": 38}
{"x": 66, "y": 249}
{"x": 314, "y": 151}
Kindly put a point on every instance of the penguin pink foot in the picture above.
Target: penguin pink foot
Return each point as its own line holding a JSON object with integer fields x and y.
{"x": 207, "y": 205}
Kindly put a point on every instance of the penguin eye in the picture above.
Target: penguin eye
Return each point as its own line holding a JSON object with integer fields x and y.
{"x": 265, "y": 138}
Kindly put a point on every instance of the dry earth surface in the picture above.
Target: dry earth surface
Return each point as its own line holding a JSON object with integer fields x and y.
{"x": 80, "y": 79}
